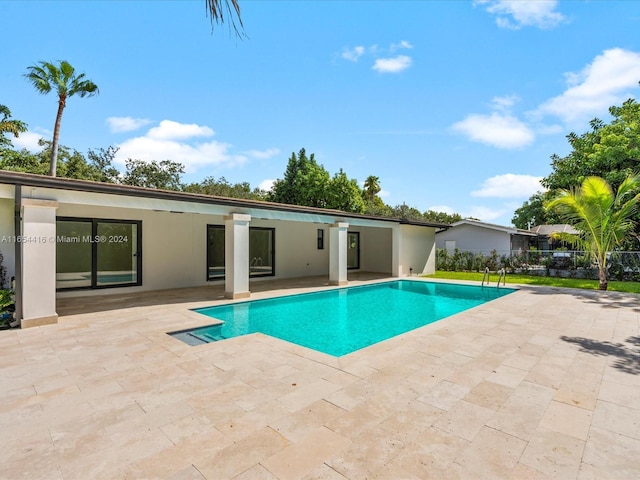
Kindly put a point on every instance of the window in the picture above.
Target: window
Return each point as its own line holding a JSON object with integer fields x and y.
{"x": 261, "y": 252}
{"x": 96, "y": 253}
{"x": 215, "y": 251}
{"x": 353, "y": 250}
{"x": 320, "y": 239}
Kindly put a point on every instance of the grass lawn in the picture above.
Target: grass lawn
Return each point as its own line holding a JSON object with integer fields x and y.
{"x": 614, "y": 286}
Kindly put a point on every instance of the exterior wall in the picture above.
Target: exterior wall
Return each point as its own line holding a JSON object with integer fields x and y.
{"x": 476, "y": 239}
{"x": 7, "y": 247}
{"x": 418, "y": 250}
{"x": 375, "y": 249}
{"x": 297, "y": 253}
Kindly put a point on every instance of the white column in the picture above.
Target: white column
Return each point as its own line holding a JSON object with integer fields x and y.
{"x": 38, "y": 262}
{"x": 338, "y": 253}
{"x": 396, "y": 252}
{"x": 236, "y": 255}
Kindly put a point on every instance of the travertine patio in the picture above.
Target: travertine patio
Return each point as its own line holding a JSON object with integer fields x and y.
{"x": 542, "y": 383}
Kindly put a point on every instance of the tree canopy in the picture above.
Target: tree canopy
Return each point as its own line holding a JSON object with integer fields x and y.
{"x": 9, "y": 125}
{"x": 610, "y": 151}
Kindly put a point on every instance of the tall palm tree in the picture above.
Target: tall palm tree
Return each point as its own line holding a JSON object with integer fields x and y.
{"x": 216, "y": 9}
{"x": 62, "y": 78}
{"x": 9, "y": 125}
{"x": 372, "y": 186}
{"x": 604, "y": 219}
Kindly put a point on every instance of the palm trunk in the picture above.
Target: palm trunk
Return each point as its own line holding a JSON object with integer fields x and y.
{"x": 56, "y": 134}
{"x": 602, "y": 277}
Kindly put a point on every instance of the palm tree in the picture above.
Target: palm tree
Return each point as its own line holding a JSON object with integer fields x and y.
{"x": 372, "y": 186}
{"x": 8, "y": 125}
{"x": 216, "y": 8}
{"x": 45, "y": 76}
{"x": 604, "y": 219}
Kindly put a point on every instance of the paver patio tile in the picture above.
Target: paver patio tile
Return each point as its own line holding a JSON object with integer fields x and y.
{"x": 554, "y": 454}
{"x": 488, "y": 394}
{"x": 522, "y": 412}
{"x": 492, "y": 454}
{"x": 431, "y": 455}
{"x": 304, "y": 456}
{"x": 324, "y": 472}
{"x": 610, "y": 455}
{"x": 465, "y": 419}
{"x": 617, "y": 418}
{"x": 238, "y": 457}
{"x": 444, "y": 395}
{"x": 567, "y": 419}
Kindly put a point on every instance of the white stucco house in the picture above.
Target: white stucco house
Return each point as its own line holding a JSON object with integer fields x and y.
{"x": 62, "y": 237}
{"x": 481, "y": 237}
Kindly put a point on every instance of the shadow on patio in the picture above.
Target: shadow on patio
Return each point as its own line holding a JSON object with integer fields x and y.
{"x": 628, "y": 353}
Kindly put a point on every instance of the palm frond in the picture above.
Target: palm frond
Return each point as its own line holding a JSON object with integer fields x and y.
{"x": 216, "y": 11}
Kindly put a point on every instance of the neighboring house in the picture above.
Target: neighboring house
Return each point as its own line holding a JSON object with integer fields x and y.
{"x": 63, "y": 237}
{"x": 544, "y": 235}
{"x": 482, "y": 237}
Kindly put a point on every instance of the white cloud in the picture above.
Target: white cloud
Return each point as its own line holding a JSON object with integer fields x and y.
{"x": 263, "y": 154}
{"x": 515, "y": 14}
{"x": 173, "y": 141}
{"x": 397, "y": 46}
{"x": 384, "y": 193}
{"x": 498, "y": 130}
{"x": 484, "y": 214}
{"x": 388, "y": 64}
{"x": 604, "y": 82}
{"x": 392, "y": 65}
{"x": 352, "y": 54}
{"x": 28, "y": 140}
{"x": 505, "y": 102}
{"x": 126, "y": 124}
{"x": 509, "y": 185}
{"x": 266, "y": 185}
{"x": 170, "y": 130}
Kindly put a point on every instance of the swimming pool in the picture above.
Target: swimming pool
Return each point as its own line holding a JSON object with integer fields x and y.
{"x": 341, "y": 321}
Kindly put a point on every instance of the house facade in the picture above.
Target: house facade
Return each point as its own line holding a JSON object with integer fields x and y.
{"x": 62, "y": 237}
{"x": 481, "y": 237}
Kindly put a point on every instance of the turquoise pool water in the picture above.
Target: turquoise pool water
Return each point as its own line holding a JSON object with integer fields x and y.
{"x": 338, "y": 322}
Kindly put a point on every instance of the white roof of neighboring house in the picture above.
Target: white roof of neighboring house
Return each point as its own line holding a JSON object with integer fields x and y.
{"x": 492, "y": 226}
{"x": 555, "y": 228}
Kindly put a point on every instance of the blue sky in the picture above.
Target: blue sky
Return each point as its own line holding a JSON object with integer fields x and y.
{"x": 455, "y": 105}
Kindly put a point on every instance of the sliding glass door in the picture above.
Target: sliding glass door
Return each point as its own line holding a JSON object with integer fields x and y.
{"x": 97, "y": 253}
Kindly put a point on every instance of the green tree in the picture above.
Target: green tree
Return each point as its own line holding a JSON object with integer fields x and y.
{"x": 533, "y": 213}
{"x": 604, "y": 219}
{"x": 163, "y": 175}
{"x": 441, "y": 217}
{"x": 406, "y": 212}
{"x": 344, "y": 194}
{"x": 372, "y": 187}
{"x": 62, "y": 78}
{"x": 9, "y": 125}
{"x": 101, "y": 163}
{"x": 223, "y": 188}
{"x": 376, "y": 207}
{"x": 610, "y": 151}
{"x": 305, "y": 182}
